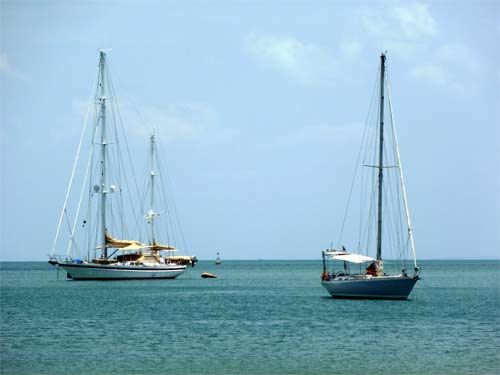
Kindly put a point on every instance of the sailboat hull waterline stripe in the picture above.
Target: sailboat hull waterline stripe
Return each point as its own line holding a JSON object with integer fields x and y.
{"x": 114, "y": 272}
{"x": 383, "y": 287}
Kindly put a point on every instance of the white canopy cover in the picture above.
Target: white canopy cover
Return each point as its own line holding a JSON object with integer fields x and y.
{"x": 347, "y": 257}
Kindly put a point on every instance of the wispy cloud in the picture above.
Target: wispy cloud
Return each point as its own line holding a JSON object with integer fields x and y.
{"x": 414, "y": 20}
{"x": 305, "y": 62}
{"x": 452, "y": 65}
{"x": 410, "y": 21}
{"x": 187, "y": 121}
{"x": 458, "y": 55}
{"x": 322, "y": 134}
{"x": 3, "y": 137}
{"x": 407, "y": 30}
{"x": 4, "y": 64}
{"x": 6, "y": 68}
{"x": 351, "y": 48}
{"x": 400, "y": 28}
{"x": 176, "y": 121}
{"x": 429, "y": 72}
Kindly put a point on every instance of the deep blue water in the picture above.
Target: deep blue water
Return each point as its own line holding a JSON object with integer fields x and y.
{"x": 258, "y": 317}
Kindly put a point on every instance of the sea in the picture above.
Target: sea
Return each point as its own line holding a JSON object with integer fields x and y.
{"x": 257, "y": 317}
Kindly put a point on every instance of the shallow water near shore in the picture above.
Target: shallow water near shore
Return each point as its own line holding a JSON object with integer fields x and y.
{"x": 257, "y": 317}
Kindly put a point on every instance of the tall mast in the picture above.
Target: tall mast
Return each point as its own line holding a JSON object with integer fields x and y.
{"x": 151, "y": 212}
{"x": 102, "y": 101}
{"x": 380, "y": 157}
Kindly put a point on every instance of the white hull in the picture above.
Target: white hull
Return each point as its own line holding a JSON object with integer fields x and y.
{"x": 120, "y": 272}
{"x": 381, "y": 287}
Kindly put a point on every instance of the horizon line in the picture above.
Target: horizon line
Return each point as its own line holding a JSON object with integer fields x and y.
{"x": 281, "y": 259}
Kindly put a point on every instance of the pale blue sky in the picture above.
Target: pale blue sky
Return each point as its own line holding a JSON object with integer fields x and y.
{"x": 262, "y": 104}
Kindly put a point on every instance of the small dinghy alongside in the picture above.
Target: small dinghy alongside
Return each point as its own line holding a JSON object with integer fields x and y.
{"x": 207, "y": 275}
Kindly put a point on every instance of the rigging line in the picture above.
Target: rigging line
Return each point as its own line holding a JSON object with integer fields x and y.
{"x": 365, "y": 241}
{"x": 370, "y": 157}
{"x": 91, "y": 157}
{"x": 72, "y": 174}
{"x": 364, "y": 195}
{"x": 169, "y": 191}
{"x": 356, "y": 169}
{"x": 87, "y": 233}
{"x": 164, "y": 195}
{"x": 145, "y": 189}
{"x": 120, "y": 167}
{"x": 67, "y": 222}
{"x": 405, "y": 251}
{"x": 389, "y": 228}
{"x": 365, "y": 205}
{"x": 396, "y": 214}
{"x": 171, "y": 226}
{"x": 399, "y": 198}
{"x": 399, "y": 210}
{"x": 115, "y": 171}
{"x": 389, "y": 206}
{"x": 141, "y": 221}
{"x": 124, "y": 181}
{"x": 393, "y": 195}
{"x": 371, "y": 148}
{"x": 373, "y": 135}
{"x": 143, "y": 199}
{"x": 407, "y": 211}
{"x": 96, "y": 233}
{"x": 127, "y": 148}
{"x": 371, "y": 214}
{"x": 168, "y": 227}
{"x": 361, "y": 207}
{"x": 177, "y": 217}
{"x": 113, "y": 168}
{"x": 112, "y": 208}
{"x": 371, "y": 145}
{"x": 112, "y": 222}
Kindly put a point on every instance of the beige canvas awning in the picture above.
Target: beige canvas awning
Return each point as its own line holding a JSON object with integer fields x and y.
{"x": 122, "y": 244}
{"x": 134, "y": 247}
{"x": 157, "y": 246}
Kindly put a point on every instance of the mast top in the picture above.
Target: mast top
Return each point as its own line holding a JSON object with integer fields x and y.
{"x": 102, "y": 55}
{"x": 383, "y": 57}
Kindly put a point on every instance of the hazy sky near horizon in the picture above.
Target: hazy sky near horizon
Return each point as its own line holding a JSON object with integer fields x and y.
{"x": 262, "y": 105}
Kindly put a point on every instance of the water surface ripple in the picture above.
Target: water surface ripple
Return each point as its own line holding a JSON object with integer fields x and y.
{"x": 258, "y": 317}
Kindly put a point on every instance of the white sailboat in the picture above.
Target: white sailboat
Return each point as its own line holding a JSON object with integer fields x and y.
{"x": 372, "y": 279}
{"x": 110, "y": 209}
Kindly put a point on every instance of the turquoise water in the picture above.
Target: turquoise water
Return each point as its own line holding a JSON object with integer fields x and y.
{"x": 258, "y": 317}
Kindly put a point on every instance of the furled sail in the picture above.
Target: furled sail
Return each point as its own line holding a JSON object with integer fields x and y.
{"x": 157, "y": 246}
{"x": 122, "y": 244}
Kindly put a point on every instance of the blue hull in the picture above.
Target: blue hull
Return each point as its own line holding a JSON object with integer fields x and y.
{"x": 382, "y": 287}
